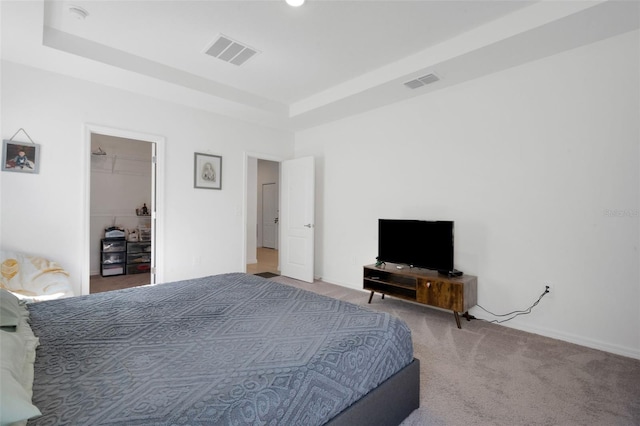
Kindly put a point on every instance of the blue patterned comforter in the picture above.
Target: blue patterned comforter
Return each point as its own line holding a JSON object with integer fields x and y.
{"x": 230, "y": 349}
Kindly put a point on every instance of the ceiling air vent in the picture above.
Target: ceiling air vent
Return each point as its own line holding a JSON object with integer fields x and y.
{"x": 422, "y": 81}
{"x": 228, "y": 50}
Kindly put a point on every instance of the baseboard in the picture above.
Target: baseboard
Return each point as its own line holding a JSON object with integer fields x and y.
{"x": 578, "y": 340}
{"x": 329, "y": 280}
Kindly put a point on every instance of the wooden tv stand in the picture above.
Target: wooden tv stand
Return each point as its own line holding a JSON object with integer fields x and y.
{"x": 457, "y": 294}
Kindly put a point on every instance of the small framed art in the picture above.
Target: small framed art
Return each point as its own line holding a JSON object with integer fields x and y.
{"x": 207, "y": 171}
{"x": 20, "y": 157}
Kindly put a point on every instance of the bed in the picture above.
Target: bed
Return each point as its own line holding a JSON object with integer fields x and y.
{"x": 229, "y": 349}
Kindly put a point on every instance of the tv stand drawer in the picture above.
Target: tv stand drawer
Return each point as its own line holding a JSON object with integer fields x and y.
{"x": 441, "y": 294}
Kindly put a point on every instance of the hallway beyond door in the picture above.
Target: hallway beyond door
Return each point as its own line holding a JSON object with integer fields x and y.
{"x": 267, "y": 261}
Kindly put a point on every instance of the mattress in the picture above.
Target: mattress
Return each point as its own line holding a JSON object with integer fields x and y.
{"x": 230, "y": 349}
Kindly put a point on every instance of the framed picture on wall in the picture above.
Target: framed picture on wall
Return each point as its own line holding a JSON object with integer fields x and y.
{"x": 207, "y": 171}
{"x": 20, "y": 157}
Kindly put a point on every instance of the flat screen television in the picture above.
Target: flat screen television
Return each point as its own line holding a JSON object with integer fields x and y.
{"x": 417, "y": 243}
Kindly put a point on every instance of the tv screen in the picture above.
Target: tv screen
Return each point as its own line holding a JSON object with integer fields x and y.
{"x": 417, "y": 243}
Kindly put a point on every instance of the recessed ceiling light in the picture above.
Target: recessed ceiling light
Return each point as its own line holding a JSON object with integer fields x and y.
{"x": 295, "y": 3}
{"x": 78, "y": 12}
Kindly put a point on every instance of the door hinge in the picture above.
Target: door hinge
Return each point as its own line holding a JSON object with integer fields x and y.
{"x": 154, "y": 159}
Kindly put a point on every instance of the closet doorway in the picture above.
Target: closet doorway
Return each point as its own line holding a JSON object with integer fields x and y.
{"x": 123, "y": 204}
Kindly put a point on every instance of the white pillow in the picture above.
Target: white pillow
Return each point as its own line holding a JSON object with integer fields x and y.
{"x": 17, "y": 356}
{"x": 10, "y": 309}
{"x": 33, "y": 278}
{"x": 15, "y": 404}
{"x": 13, "y": 355}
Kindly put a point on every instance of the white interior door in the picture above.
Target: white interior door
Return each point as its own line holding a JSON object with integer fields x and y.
{"x": 297, "y": 215}
{"x": 269, "y": 215}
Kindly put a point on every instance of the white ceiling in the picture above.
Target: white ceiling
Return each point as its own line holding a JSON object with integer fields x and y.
{"x": 319, "y": 62}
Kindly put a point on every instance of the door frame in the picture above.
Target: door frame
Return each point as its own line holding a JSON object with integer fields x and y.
{"x": 259, "y": 156}
{"x": 157, "y": 215}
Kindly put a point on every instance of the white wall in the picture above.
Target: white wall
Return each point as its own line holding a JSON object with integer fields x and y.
{"x": 204, "y": 229}
{"x": 2, "y": 133}
{"x": 538, "y": 167}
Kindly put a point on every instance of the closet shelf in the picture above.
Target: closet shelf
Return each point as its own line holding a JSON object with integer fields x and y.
{"x": 116, "y": 214}
{"x": 121, "y": 164}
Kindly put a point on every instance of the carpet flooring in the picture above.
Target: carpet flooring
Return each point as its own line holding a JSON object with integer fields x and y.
{"x": 488, "y": 374}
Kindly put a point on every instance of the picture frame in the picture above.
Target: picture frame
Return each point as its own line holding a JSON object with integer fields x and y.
{"x": 20, "y": 157}
{"x": 207, "y": 171}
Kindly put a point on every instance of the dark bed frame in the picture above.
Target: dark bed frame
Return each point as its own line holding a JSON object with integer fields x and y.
{"x": 388, "y": 404}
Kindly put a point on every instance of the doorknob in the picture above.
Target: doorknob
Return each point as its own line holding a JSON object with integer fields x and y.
{"x": 308, "y": 225}
{"x": 275, "y": 220}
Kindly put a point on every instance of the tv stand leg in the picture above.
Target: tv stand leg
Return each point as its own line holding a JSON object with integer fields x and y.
{"x": 455, "y": 314}
{"x": 466, "y": 315}
{"x": 371, "y": 296}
